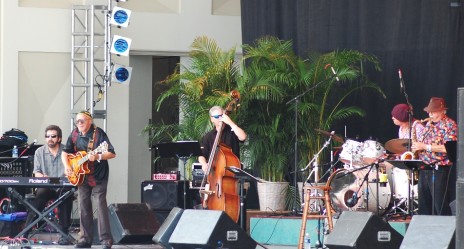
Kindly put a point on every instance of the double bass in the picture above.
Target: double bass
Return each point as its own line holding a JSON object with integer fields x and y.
{"x": 219, "y": 186}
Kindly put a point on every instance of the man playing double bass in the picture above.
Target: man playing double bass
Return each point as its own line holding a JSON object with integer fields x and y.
{"x": 220, "y": 148}
{"x": 232, "y": 135}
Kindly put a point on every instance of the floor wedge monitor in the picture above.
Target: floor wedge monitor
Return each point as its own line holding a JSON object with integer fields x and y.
{"x": 209, "y": 229}
{"x": 362, "y": 230}
{"x": 132, "y": 223}
{"x": 430, "y": 232}
{"x": 164, "y": 232}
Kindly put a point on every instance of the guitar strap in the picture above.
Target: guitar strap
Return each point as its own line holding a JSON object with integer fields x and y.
{"x": 93, "y": 139}
{"x": 75, "y": 134}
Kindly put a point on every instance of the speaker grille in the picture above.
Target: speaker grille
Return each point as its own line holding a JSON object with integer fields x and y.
{"x": 164, "y": 195}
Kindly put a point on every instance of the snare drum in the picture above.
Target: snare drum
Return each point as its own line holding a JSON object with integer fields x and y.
{"x": 343, "y": 184}
{"x": 352, "y": 153}
{"x": 372, "y": 151}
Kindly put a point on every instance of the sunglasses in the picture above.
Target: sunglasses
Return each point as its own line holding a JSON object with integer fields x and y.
{"x": 217, "y": 116}
{"x": 80, "y": 121}
{"x": 50, "y": 136}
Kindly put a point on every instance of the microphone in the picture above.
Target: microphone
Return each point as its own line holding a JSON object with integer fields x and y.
{"x": 28, "y": 147}
{"x": 333, "y": 71}
{"x": 400, "y": 74}
{"x": 353, "y": 200}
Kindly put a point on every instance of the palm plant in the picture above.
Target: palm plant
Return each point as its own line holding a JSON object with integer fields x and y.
{"x": 272, "y": 76}
{"x": 206, "y": 82}
{"x": 269, "y": 75}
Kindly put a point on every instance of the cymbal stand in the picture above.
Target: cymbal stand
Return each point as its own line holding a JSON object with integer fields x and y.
{"x": 315, "y": 168}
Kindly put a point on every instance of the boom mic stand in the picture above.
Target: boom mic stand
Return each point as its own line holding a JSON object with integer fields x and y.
{"x": 315, "y": 170}
{"x": 410, "y": 111}
{"x": 295, "y": 208}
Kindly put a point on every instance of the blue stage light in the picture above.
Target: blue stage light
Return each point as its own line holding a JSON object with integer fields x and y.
{"x": 120, "y": 45}
{"x": 121, "y": 74}
{"x": 120, "y": 17}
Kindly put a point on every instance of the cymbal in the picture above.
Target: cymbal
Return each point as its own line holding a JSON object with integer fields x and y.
{"x": 397, "y": 145}
{"x": 328, "y": 134}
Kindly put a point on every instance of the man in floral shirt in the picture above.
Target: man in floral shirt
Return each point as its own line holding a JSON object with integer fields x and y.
{"x": 436, "y": 195}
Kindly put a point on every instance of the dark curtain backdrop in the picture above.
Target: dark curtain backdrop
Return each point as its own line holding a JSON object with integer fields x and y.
{"x": 423, "y": 38}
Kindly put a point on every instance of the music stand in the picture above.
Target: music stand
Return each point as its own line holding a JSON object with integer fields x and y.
{"x": 183, "y": 150}
{"x": 242, "y": 175}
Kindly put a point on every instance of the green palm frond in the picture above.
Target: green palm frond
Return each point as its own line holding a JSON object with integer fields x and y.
{"x": 268, "y": 76}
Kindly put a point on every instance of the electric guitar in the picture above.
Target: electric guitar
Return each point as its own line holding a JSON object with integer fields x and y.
{"x": 79, "y": 163}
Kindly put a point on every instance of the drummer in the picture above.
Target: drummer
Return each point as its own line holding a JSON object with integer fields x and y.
{"x": 400, "y": 116}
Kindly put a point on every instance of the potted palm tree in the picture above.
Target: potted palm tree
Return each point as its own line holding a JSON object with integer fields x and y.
{"x": 268, "y": 76}
{"x": 271, "y": 76}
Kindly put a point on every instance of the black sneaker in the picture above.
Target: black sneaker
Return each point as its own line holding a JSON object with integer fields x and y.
{"x": 106, "y": 244}
{"x": 64, "y": 241}
{"x": 83, "y": 244}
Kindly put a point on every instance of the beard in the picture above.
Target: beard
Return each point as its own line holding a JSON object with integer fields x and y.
{"x": 52, "y": 144}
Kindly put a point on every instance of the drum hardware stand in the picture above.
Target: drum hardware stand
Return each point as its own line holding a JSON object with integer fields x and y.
{"x": 411, "y": 166}
{"x": 376, "y": 164}
{"x": 313, "y": 161}
{"x": 315, "y": 170}
{"x": 351, "y": 202}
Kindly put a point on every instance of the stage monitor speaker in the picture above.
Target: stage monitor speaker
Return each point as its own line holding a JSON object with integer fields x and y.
{"x": 132, "y": 223}
{"x": 207, "y": 229}
{"x": 430, "y": 232}
{"x": 166, "y": 229}
{"x": 362, "y": 230}
{"x": 164, "y": 195}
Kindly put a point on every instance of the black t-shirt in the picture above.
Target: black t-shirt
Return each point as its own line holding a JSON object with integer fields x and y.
{"x": 228, "y": 138}
{"x": 98, "y": 170}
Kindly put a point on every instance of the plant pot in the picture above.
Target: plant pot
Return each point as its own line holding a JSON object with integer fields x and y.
{"x": 272, "y": 195}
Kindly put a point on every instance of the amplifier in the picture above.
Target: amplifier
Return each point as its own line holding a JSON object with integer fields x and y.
{"x": 197, "y": 175}
{"x": 165, "y": 177}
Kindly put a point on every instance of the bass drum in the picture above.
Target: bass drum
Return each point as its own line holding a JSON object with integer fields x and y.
{"x": 343, "y": 184}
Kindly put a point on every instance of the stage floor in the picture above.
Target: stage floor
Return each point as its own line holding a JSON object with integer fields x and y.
{"x": 46, "y": 240}
{"x": 272, "y": 230}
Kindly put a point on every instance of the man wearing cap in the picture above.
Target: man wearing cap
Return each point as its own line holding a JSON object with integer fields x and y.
{"x": 87, "y": 137}
{"x": 400, "y": 116}
{"x": 439, "y": 129}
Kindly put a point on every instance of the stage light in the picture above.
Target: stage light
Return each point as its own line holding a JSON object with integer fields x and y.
{"x": 120, "y": 17}
{"x": 120, "y": 45}
{"x": 121, "y": 74}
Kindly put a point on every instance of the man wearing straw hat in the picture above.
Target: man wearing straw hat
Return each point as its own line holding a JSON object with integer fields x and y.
{"x": 437, "y": 186}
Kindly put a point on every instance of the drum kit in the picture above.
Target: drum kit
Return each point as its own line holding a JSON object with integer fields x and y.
{"x": 369, "y": 182}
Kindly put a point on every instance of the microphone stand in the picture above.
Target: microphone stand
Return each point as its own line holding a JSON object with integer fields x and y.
{"x": 315, "y": 170}
{"x": 410, "y": 111}
{"x": 410, "y": 116}
{"x": 295, "y": 208}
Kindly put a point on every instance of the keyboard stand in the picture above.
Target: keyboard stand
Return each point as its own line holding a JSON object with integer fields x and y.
{"x": 44, "y": 213}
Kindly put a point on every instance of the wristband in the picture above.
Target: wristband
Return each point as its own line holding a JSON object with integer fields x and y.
{"x": 99, "y": 157}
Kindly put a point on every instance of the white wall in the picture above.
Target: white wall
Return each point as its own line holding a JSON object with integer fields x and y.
{"x": 35, "y": 75}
